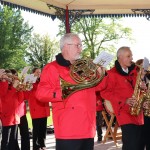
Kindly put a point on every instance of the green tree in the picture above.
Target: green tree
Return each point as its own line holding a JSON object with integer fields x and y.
{"x": 99, "y": 34}
{"x": 14, "y": 38}
{"x": 41, "y": 50}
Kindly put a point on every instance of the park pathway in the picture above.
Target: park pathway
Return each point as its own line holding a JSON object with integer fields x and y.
{"x": 109, "y": 145}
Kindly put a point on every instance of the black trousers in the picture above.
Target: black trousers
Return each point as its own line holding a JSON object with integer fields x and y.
{"x": 9, "y": 137}
{"x": 131, "y": 137}
{"x": 39, "y": 132}
{"x": 146, "y": 134}
{"x": 99, "y": 124}
{"x": 24, "y": 132}
{"x": 75, "y": 144}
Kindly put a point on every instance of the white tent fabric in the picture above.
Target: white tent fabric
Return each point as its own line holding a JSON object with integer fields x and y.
{"x": 98, "y": 6}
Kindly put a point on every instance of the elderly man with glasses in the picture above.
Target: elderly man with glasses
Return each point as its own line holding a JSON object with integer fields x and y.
{"x": 73, "y": 117}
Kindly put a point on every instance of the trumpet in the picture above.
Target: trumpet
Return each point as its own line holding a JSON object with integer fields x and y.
{"x": 21, "y": 86}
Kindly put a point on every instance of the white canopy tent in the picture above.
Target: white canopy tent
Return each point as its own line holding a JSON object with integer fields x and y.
{"x": 85, "y": 8}
{"x": 99, "y": 6}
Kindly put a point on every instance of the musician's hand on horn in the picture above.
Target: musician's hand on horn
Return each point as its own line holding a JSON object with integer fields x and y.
{"x": 131, "y": 101}
{"x": 2, "y": 72}
{"x": 5, "y": 78}
{"x": 101, "y": 70}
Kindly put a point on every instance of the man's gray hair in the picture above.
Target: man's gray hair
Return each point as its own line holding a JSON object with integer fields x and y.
{"x": 67, "y": 38}
{"x": 121, "y": 50}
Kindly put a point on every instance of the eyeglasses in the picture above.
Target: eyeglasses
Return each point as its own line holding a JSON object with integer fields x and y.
{"x": 77, "y": 45}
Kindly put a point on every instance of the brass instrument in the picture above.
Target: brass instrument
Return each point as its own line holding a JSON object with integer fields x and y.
{"x": 21, "y": 86}
{"x": 24, "y": 86}
{"x": 147, "y": 96}
{"x": 138, "y": 93}
{"x": 84, "y": 73}
{"x": 147, "y": 99}
{"x": 10, "y": 78}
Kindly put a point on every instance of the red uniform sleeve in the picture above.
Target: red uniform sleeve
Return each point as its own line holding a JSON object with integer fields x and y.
{"x": 20, "y": 97}
{"x": 3, "y": 88}
{"x": 19, "y": 94}
{"x": 108, "y": 92}
{"x": 49, "y": 89}
{"x": 28, "y": 93}
{"x": 99, "y": 105}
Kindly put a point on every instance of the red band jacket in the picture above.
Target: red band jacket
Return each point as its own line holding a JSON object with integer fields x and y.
{"x": 3, "y": 90}
{"x": 74, "y": 117}
{"x": 99, "y": 105}
{"x": 37, "y": 109}
{"x": 118, "y": 88}
{"x": 10, "y": 103}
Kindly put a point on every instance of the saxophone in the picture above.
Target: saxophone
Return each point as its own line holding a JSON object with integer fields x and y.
{"x": 147, "y": 99}
{"x": 139, "y": 94}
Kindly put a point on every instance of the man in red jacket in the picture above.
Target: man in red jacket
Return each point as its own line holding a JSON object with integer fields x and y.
{"x": 39, "y": 112}
{"x": 10, "y": 118}
{"x": 23, "y": 126}
{"x": 118, "y": 87}
{"x": 74, "y": 118}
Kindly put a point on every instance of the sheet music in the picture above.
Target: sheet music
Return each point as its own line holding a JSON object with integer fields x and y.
{"x": 30, "y": 78}
{"x": 103, "y": 59}
{"x": 24, "y": 71}
{"x": 145, "y": 63}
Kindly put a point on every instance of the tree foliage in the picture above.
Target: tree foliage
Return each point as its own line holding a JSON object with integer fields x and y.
{"x": 14, "y": 37}
{"x": 99, "y": 34}
{"x": 41, "y": 50}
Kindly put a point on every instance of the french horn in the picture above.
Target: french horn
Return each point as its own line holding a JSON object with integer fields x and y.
{"x": 84, "y": 73}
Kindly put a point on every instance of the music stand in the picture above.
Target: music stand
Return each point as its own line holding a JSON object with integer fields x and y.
{"x": 111, "y": 132}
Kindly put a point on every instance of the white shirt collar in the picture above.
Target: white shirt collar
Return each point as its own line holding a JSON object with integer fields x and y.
{"x": 125, "y": 70}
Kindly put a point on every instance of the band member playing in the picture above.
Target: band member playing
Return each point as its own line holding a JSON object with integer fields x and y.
{"x": 118, "y": 87}
{"x": 39, "y": 112}
{"x": 23, "y": 126}
{"x": 10, "y": 117}
{"x": 74, "y": 117}
{"x": 146, "y": 127}
{"x": 145, "y": 144}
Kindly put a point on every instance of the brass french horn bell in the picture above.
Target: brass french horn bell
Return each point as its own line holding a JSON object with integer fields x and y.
{"x": 84, "y": 73}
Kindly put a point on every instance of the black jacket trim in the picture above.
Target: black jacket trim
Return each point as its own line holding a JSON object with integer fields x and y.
{"x": 119, "y": 68}
{"x": 61, "y": 61}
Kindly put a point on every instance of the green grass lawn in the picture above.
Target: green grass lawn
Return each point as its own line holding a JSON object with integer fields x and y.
{"x": 49, "y": 120}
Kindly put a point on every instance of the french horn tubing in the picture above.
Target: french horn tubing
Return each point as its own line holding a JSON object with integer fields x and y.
{"x": 84, "y": 73}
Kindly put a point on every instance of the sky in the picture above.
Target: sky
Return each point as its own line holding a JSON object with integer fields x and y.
{"x": 140, "y": 32}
